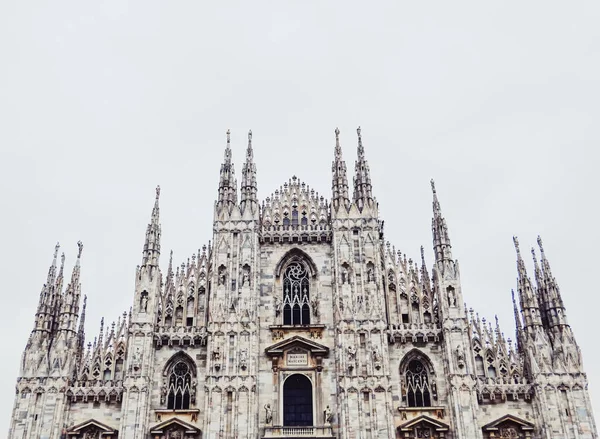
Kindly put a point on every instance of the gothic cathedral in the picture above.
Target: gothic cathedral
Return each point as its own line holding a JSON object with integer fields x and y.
{"x": 299, "y": 320}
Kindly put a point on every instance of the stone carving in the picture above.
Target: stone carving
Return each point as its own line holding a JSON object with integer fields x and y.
{"x": 451, "y": 297}
{"x": 244, "y": 358}
{"x": 136, "y": 361}
{"x": 370, "y": 274}
{"x": 268, "y": 414}
{"x": 509, "y": 432}
{"x": 345, "y": 279}
{"x": 460, "y": 357}
{"x": 246, "y": 276}
{"x": 222, "y": 275}
{"x": 216, "y": 354}
{"x": 328, "y": 415}
{"x": 193, "y": 390}
{"x": 351, "y": 353}
{"x": 277, "y": 306}
{"x": 376, "y": 358}
{"x": 163, "y": 394}
{"x": 314, "y": 304}
{"x": 144, "y": 302}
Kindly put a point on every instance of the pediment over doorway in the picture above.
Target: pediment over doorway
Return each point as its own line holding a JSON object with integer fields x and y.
{"x": 424, "y": 423}
{"x": 175, "y": 428}
{"x": 508, "y": 426}
{"x": 91, "y": 429}
{"x": 297, "y": 344}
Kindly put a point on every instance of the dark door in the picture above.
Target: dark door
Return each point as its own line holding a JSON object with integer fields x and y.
{"x": 297, "y": 401}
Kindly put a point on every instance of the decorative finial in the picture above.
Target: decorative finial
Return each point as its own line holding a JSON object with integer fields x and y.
{"x": 249, "y": 136}
{"x": 432, "y": 185}
{"x": 337, "y": 133}
{"x": 228, "y": 136}
{"x": 56, "y": 248}
{"x": 80, "y": 245}
{"x": 516, "y": 242}
{"x": 539, "y": 241}
{"x": 422, "y": 254}
{"x": 358, "y": 131}
{"x": 157, "y": 192}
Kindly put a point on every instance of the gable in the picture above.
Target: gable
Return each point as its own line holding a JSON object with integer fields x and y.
{"x": 174, "y": 423}
{"x": 423, "y": 420}
{"x": 495, "y": 425}
{"x": 296, "y": 341}
{"x": 91, "y": 423}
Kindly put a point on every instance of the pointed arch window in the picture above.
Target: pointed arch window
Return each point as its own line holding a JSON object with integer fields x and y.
{"x": 418, "y": 393}
{"x": 180, "y": 386}
{"x": 296, "y": 295}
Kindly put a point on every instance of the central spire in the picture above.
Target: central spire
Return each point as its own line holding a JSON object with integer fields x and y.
{"x": 441, "y": 239}
{"x": 151, "y": 251}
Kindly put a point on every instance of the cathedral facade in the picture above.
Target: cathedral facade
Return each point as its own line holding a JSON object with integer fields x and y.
{"x": 299, "y": 320}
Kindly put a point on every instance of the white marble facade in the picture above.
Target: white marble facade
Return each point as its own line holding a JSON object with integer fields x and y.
{"x": 300, "y": 320}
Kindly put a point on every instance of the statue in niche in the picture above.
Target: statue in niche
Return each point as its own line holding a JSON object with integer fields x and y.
{"x": 216, "y": 354}
{"x": 277, "y": 306}
{"x": 246, "y": 276}
{"x": 451, "y": 297}
{"x": 376, "y": 358}
{"x": 344, "y": 274}
{"x": 351, "y": 353}
{"x": 222, "y": 276}
{"x": 136, "y": 360}
{"x": 144, "y": 302}
{"x": 370, "y": 274}
{"x": 163, "y": 394}
{"x": 460, "y": 357}
{"x": 328, "y": 415}
{"x": 193, "y": 391}
{"x": 268, "y": 414}
{"x": 244, "y": 358}
{"x": 314, "y": 304}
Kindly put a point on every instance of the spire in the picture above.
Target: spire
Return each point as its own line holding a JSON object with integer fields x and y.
{"x": 550, "y": 297}
{"x": 249, "y": 188}
{"x": 339, "y": 185}
{"x": 81, "y": 334}
{"x": 69, "y": 307}
{"x": 227, "y": 182}
{"x": 363, "y": 190}
{"x": 441, "y": 240}
{"x": 425, "y": 281}
{"x": 527, "y": 295}
{"x": 45, "y": 314}
{"x": 152, "y": 243}
{"x": 518, "y": 325}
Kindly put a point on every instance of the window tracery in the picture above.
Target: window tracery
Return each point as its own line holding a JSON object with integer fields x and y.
{"x": 296, "y": 295}
{"x": 417, "y": 385}
{"x": 180, "y": 386}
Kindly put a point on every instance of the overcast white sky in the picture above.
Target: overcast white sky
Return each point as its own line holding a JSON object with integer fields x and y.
{"x": 102, "y": 101}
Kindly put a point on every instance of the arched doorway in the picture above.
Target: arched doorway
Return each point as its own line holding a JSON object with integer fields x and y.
{"x": 297, "y": 401}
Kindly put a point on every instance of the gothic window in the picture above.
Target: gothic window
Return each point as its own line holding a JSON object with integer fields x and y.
{"x": 417, "y": 385}
{"x": 179, "y": 387}
{"x": 296, "y": 308}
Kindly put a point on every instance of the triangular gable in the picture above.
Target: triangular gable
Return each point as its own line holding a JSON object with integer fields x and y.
{"x": 437, "y": 425}
{"x": 296, "y": 341}
{"x": 492, "y": 426}
{"x": 159, "y": 428}
{"x": 90, "y": 423}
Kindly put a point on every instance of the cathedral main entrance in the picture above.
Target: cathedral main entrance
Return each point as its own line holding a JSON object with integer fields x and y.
{"x": 297, "y": 401}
